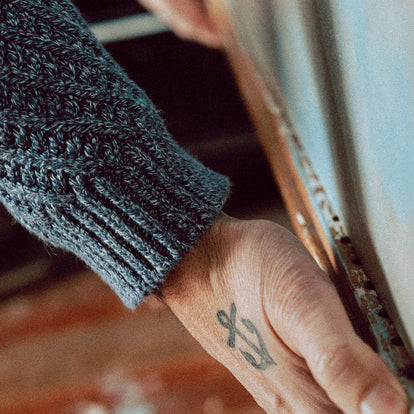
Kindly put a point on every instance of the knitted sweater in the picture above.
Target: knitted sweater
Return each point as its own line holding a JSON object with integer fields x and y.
{"x": 85, "y": 160}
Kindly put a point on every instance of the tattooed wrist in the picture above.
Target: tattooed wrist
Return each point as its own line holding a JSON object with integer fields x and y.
{"x": 252, "y": 340}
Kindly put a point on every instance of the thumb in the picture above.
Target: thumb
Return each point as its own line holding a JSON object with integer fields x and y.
{"x": 313, "y": 323}
{"x": 354, "y": 377}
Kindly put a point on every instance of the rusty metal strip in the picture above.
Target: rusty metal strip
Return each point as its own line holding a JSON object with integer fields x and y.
{"x": 388, "y": 343}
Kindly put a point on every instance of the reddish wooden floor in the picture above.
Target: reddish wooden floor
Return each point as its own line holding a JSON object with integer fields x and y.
{"x": 73, "y": 348}
{"x": 68, "y": 345}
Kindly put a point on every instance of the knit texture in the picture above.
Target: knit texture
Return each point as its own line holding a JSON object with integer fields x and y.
{"x": 86, "y": 161}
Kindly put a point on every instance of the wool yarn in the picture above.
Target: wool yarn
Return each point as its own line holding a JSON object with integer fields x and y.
{"x": 86, "y": 162}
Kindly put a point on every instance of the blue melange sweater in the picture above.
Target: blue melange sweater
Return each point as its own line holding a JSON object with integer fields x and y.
{"x": 85, "y": 160}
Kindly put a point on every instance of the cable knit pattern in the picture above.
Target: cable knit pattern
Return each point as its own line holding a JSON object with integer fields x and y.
{"x": 86, "y": 161}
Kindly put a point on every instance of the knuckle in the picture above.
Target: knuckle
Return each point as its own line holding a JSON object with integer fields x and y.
{"x": 275, "y": 404}
{"x": 185, "y": 30}
{"x": 293, "y": 296}
{"x": 334, "y": 365}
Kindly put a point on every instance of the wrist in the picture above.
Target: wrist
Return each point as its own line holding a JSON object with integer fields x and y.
{"x": 198, "y": 263}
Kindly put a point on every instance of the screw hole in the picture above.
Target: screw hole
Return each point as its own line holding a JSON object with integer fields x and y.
{"x": 383, "y": 313}
{"x": 369, "y": 285}
{"x": 408, "y": 372}
{"x": 397, "y": 341}
{"x": 345, "y": 239}
{"x": 335, "y": 218}
{"x": 356, "y": 261}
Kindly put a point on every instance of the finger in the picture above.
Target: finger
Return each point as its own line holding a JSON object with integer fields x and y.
{"x": 188, "y": 19}
{"x": 319, "y": 330}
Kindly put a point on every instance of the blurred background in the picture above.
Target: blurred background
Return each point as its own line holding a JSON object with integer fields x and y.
{"x": 67, "y": 344}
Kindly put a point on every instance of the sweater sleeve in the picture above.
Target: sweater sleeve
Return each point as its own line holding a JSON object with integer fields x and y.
{"x": 86, "y": 161}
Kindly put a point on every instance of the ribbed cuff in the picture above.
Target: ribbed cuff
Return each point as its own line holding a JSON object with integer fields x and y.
{"x": 133, "y": 233}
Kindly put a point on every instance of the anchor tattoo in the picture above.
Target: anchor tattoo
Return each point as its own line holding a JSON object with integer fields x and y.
{"x": 229, "y": 322}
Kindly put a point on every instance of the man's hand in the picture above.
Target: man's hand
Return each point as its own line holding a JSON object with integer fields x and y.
{"x": 188, "y": 19}
{"x": 251, "y": 294}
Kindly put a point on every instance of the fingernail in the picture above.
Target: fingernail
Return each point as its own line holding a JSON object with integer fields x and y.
{"x": 383, "y": 399}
